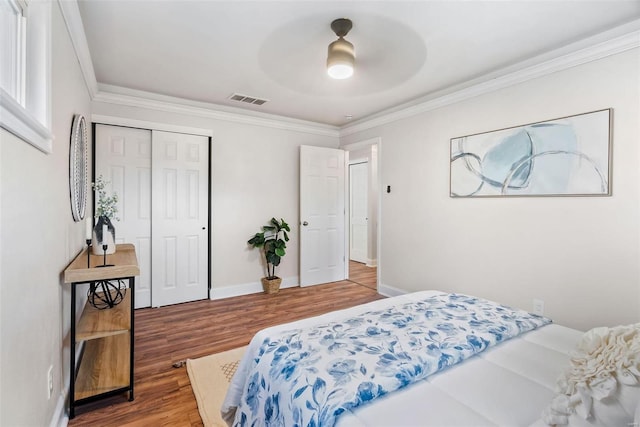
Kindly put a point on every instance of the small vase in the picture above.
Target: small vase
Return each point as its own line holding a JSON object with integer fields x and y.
{"x": 104, "y": 233}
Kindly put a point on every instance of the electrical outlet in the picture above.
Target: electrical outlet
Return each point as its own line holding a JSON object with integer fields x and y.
{"x": 538, "y": 307}
{"x": 50, "y": 381}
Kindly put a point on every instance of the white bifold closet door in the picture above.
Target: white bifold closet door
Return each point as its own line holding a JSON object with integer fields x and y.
{"x": 161, "y": 179}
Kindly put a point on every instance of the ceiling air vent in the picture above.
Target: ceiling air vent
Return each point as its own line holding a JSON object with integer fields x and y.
{"x": 247, "y": 99}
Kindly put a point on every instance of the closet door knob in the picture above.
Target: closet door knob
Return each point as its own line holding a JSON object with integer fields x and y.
{"x": 305, "y": 223}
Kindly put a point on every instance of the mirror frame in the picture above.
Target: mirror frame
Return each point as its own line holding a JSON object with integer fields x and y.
{"x": 78, "y": 154}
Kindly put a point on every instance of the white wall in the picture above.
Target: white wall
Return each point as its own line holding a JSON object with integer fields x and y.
{"x": 39, "y": 238}
{"x": 255, "y": 176}
{"x": 578, "y": 254}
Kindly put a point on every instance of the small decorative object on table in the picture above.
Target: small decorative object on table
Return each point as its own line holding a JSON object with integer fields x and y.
{"x": 106, "y": 293}
{"x": 88, "y": 237}
{"x": 88, "y": 252}
{"x": 104, "y": 233}
{"x": 272, "y": 241}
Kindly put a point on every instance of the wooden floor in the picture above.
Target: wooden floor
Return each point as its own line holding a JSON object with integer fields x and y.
{"x": 363, "y": 275}
{"x": 164, "y": 336}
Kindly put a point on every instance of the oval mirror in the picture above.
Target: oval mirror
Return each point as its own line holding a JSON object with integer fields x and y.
{"x": 78, "y": 167}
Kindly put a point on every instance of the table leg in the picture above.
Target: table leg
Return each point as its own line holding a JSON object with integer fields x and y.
{"x": 132, "y": 281}
{"x": 72, "y": 353}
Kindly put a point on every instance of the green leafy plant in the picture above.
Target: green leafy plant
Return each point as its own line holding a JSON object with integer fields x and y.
{"x": 272, "y": 241}
{"x": 105, "y": 205}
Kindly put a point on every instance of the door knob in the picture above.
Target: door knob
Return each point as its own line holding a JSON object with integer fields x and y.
{"x": 305, "y": 223}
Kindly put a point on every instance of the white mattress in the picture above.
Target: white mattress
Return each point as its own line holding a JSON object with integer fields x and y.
{"x": 508, "y": 385}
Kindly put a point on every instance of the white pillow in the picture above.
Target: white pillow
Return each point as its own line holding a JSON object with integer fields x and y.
{"x": 602, "y": 383}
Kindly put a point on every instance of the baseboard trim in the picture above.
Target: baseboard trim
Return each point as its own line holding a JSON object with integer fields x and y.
{"x": 249, "y": 288}
{"x": 372, "y": 262}
{"x": 60, "y": 418}
{"x": 390, "y": 291}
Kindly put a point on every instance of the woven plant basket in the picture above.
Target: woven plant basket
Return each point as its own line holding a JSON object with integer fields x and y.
{"x": 271, "y": 286}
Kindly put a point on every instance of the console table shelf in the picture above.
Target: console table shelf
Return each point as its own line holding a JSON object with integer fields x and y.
{"x": 104, "y": 368}
{"x": 96, "y": 323}
{"x": 106, "y": 336}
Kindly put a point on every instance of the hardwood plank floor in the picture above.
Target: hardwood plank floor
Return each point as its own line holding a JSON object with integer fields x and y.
{"x": 164, "y": 336}
{"x": 363, "y": 275}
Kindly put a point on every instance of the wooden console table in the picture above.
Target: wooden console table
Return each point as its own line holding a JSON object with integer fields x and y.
{"x": 105, "y": 366}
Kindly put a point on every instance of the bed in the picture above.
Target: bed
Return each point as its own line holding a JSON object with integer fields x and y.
{"x": 503, "y": 380}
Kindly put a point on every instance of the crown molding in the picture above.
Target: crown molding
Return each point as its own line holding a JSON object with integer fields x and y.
{"x": 73, "y": 21}
{"x": 129, "y": 97}
{"x": 362, "y": 144}
{"x": 134, "y": 98}
{"x": 612, "y": 42}
{"x": 598, "y": 47}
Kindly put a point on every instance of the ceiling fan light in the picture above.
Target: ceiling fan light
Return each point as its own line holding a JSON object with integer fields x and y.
{"x": 340, "y": 59}
{"x": 340, "y": 71}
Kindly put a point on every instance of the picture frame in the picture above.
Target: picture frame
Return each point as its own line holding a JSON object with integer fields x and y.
{"x": 567, "y": 156}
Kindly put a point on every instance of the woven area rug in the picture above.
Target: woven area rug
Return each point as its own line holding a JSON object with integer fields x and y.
{"x": 210, "y": 377}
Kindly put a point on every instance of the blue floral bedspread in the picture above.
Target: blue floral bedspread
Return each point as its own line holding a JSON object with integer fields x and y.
{"x": 308, "y": 377}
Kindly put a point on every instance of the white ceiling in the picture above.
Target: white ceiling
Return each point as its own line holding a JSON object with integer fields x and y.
{"x": 405, "y": 50}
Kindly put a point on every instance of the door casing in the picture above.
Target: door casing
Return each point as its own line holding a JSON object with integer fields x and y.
{"x": 377, "y": 143}
{"x": 358, "y": 211}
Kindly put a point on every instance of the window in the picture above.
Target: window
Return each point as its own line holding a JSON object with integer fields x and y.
{"x": 25, "y": 71}
{"x": 12, "y": 33}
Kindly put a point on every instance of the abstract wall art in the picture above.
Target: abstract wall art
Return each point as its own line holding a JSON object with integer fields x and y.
{"x": 569, "y": 156}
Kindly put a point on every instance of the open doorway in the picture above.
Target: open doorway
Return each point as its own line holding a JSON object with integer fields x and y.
{"x": 363, "y": 201}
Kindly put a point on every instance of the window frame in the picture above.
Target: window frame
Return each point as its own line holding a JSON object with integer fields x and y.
{"x": 27, "y": 114}
{"x": 17, "y": 60}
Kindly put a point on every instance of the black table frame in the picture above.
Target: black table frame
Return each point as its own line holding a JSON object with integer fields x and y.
{"x": 72, "y": 350}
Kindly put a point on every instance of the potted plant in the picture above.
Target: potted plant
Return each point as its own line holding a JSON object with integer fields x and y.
{"x": 104, "y": 233}
{"x": 272, "y": 241}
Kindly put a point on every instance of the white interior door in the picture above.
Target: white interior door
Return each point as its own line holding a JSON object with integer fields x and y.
{"x": 123, "y": 158}
{"x": 180, "y": 188}
{"x": 358, "y": 207}
{"x": 322, "y": 215}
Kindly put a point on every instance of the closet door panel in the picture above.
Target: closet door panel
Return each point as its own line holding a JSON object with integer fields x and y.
{"x": 180, "y": 207}
{"x": 123, "y": 158}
